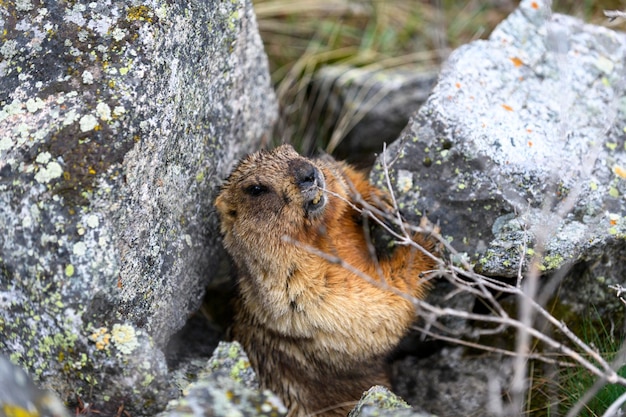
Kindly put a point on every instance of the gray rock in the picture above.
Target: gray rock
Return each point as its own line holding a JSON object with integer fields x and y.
{"x": 454, "y": 382}
{"x": 369, "y": 106}
{"x": 119, "y": 121}
{"x": 226, "y": 387}
{"x": 519, "y": 128}
{"x": 379, "y": 401}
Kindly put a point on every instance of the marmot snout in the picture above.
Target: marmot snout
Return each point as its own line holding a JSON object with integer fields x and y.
{"x": 310, "y": 180}
{"x": 316, "y": 333}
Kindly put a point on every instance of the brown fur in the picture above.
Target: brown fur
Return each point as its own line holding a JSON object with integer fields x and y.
{"x": 316, "y": 334}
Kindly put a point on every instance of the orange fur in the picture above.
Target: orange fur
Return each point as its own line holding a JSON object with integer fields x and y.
{"x": 316, "y": 334}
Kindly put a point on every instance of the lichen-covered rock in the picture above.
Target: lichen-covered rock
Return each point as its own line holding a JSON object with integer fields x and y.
{"x": 230, "y": 360}
{"x": 378, "y": 397}
{"x": 520, "y": 128}
{"x": 226, "y": 387}
{"x": 379, "y": 402}
{"x": 118, "y": 119}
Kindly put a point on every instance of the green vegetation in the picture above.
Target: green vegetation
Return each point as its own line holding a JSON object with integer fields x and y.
{"x": 556, "y": 390}
{"x": 575, "y": 382}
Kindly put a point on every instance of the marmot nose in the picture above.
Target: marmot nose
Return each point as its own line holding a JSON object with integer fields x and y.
{"x": 305, "y": 174}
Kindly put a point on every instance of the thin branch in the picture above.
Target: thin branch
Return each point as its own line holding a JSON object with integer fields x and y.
{"x": 480, "y": 346}
{"x": 614, "y": 14}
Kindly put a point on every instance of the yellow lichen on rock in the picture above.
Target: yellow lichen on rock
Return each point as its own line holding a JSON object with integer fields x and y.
{"x": 124, "y": 338}
{"x": 101, "y": 337}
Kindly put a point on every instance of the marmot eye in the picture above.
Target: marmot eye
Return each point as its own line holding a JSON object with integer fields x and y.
{"x": 256, "y": 190}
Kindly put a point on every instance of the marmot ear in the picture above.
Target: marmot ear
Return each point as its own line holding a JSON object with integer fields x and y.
{"x": 221, "y": 205}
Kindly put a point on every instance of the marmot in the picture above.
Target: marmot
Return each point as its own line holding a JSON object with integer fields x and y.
{"x": 316, "y": 334}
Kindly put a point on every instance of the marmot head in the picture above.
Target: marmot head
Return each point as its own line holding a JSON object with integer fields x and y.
{"x": 275, "y": 194}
